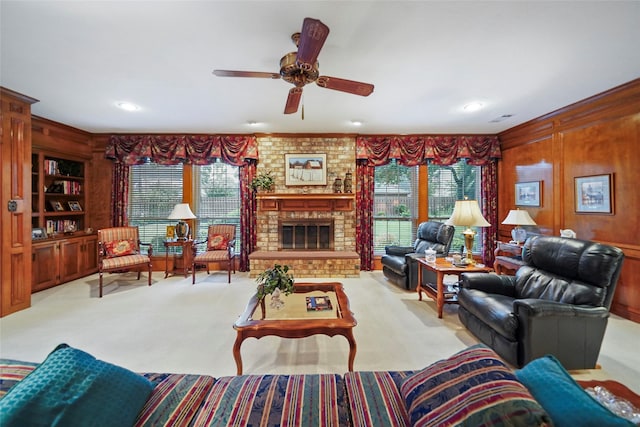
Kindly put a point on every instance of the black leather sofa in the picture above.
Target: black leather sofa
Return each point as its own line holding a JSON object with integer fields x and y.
{"x": 557, "y": 303}
{"x": 398, "y": 262}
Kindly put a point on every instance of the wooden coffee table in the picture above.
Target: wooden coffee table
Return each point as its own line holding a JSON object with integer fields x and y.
{"x": 437, "y": 290}
{"x": 294, "y": 321}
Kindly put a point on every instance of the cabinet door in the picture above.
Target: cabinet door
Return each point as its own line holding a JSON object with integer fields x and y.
{"x": 90, "y": 255}
{"x": 70, "y": 259}
{"x": 44, "y": 266}
{"x": 15, "y": 206}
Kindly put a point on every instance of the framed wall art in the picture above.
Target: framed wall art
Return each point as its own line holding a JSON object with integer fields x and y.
{"x": 594, "y": 194}
{"x": 528, "y": 193}
{"x": 305, "y": 169}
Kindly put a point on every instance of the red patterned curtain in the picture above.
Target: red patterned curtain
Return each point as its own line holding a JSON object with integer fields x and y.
{"x": 119, "y": 195}
{"x": 237, "y": 150}
{"x": 372, "y": 151}
{"x": 489, "y": 194}
{"x": 364, "y": 214}
{"x": 417, "y": 149}
{"x": 248, "y": 220}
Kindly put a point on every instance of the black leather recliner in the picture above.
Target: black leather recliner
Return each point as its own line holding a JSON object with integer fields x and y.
{"x": 557, "y": 303}
{"x": 398, "y": 263}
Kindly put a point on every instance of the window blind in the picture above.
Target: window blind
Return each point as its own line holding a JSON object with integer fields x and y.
{"x": 153, "y": 192}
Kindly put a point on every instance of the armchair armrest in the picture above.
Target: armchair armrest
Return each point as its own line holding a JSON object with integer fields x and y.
{"x": 398, "y": 250}
{"x": 489, "y": 283}
{"x": 545, "y": 327}
{"x": 149, "y": 250}
{"x": 531, "y": 307}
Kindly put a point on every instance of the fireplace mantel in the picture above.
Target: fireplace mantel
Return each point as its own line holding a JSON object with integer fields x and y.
{"x": 306, "y": 202}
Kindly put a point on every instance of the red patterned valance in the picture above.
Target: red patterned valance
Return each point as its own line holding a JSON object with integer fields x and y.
{"x": 174, "y": 149}
{"x": 417, "y": 149}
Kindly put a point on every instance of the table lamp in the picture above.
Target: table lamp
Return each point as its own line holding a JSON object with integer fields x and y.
{"x": 467, "y": 213}
{"x": 181, "y": 211}
{"x": 517, "y": 217}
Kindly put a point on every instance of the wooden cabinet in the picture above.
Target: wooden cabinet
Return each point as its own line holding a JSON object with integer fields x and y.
{"x": 59, "y": 260}
{"x": 15, "y": 207}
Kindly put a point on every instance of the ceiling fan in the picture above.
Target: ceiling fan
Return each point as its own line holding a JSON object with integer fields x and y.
{"x": 301, "y": 67}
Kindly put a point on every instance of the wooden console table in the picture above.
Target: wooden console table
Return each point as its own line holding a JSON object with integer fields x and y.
{"x": 508, "y": 257}
{"x": 437, "y": 290}
{"x": 187, "y": 255}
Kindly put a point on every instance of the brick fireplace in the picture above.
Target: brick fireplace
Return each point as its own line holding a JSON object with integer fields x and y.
{"x": 305, "y": 204}
{"x": 314, "y": 234}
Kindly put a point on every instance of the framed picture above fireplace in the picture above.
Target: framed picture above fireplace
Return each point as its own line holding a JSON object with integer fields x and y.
{"x": 305, "y": 169}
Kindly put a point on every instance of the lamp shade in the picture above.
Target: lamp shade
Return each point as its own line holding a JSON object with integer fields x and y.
{"x": 467, "y": 213}
{"x": 181, "y": 211}
{"x": 518, "y": 217}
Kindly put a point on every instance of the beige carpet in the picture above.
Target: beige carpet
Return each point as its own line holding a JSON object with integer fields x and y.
{"x": 174, "y": 326}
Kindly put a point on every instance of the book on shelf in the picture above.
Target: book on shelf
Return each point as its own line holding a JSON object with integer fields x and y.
{"x": 318, "y": 303}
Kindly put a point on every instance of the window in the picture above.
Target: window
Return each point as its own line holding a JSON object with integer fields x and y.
{"x": 448, "y": 184}
{"x": 395, "y": 206}
{"x": 153, "y": 192}
{"x": 217, "y": 198}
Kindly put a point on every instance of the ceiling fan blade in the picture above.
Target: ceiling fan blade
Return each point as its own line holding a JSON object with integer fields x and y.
{"x": 293, "y": 100}
{"x": 231, "y": 73}
{"x": 312, "y": 37}
{"x": 343, "y": 85}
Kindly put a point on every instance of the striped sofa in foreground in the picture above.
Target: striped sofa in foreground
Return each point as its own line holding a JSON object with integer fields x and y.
{"x": 471, "y": 388}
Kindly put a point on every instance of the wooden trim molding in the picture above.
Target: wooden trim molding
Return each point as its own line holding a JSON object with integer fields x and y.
{"x": 325, "y": 202}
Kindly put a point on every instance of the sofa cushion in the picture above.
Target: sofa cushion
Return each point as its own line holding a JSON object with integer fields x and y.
{"x": 274, "y": 400}
{"x": 565, "y": 401}
{"x": 495, "y": 310}
{"x": 72, "y": 387}
{"x": 471, "y": 388}
{"x": 175, "y": 400}
{"x": 375, "y": 399}
{"x": 12, "y": 372}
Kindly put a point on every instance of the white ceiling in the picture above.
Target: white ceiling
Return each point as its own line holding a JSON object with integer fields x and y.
{"x": 427, "y": 59}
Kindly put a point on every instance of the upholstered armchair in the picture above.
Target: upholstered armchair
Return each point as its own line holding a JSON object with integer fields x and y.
{"x": 119, "y": 251}
{"x": 221, "y": 240}
{"x": 557, "y": 303}
{"x": 398, "y": 263}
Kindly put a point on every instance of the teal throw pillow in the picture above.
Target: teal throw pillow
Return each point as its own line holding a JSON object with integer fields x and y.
{"x": 73, "y": 388}
{"x": 471, "y": 388}
{"x": 563, "y": 398}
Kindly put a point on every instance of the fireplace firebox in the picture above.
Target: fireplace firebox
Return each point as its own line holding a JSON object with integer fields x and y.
{"x": 305, "y": 234}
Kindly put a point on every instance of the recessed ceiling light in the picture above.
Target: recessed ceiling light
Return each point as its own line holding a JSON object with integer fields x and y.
{"x": 473, "y": 106}
{"x": 356, "y": 122}
{"x": 253, "y": 123}
{"x": 128, "y": 106}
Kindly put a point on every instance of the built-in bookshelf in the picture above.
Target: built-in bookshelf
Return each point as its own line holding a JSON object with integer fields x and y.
{"x": 58, "y": 194}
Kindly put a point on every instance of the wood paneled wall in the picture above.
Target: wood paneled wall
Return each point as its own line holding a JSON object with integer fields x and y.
{"x": 600, "y": 135}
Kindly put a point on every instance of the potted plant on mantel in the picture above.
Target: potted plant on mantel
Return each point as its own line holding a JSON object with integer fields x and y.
{"x": 275, "y": 281}
{"x": 264, "y": 181}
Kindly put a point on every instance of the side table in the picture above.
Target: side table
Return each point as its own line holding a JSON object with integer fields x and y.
{"x": 508, "y": 257}
{"x": 437, "y": 291}
{"x": 187, "y": 255}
